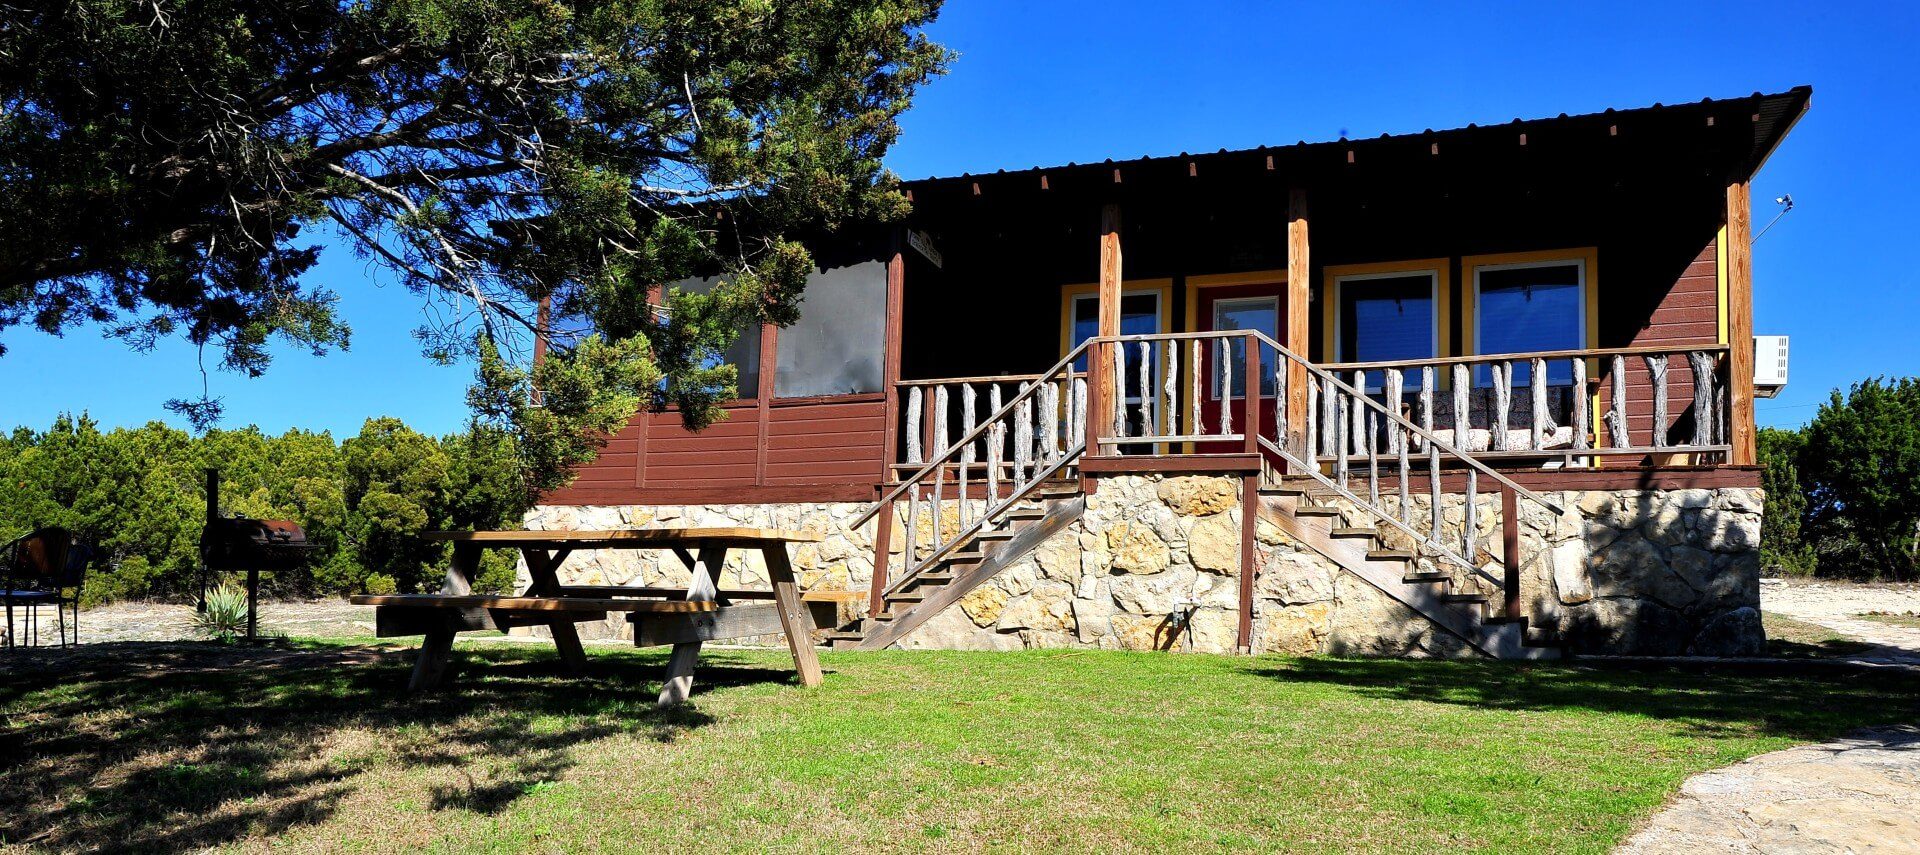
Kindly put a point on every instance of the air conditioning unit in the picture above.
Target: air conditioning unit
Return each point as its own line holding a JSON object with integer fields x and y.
{"x": 1769, "y": 365}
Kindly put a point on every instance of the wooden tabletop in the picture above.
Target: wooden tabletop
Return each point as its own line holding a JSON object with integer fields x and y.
{"x": 629, "y": 538}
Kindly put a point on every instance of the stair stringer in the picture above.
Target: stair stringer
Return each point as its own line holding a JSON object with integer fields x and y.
{"x": 1060, "y": 514}
{"x": 1506, "y": 640}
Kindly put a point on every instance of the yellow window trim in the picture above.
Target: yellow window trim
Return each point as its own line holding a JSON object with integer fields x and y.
{"x": 1163, "y": 287}
{"x": 1330, "y": 300}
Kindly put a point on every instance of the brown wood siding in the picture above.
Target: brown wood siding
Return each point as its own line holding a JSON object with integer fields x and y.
{"x": 818, "y": 449}
{"x": 1686, "y": 314}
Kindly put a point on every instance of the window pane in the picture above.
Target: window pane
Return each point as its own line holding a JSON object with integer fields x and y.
{"x": 1530, "y": 309}
{"x": 1387, "y": 318}
{"x": 837, "y": 345}
{"x": 1256, "y": 313}
{"x": 1139, "y": 315}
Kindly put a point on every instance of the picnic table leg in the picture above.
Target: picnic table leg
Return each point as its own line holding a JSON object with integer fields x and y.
{"x": 703, "y": 588}
{"x": 795, "y": 621}
{"x": 544, "y": 567}
{"x": 436, "y": 653}
{"x": 433, "y": 665}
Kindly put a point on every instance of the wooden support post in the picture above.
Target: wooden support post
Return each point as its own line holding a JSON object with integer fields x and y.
{"x": 1739, "y": 275}
{"x": 889, "y": 380}
{"x": 543, "y": 567}
{"x": 1250, "y": 486}
{"x": 1106, "y": 382}
{"x": 1510, "y": 546}
{"x": 1293, "y": 410}
{"x": 1249, "y": 559}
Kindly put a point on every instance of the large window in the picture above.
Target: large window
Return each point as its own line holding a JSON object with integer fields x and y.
{"x": 1385, "y": 317}
{"x": 837, "y": 345}
{"x": 743, "y": 355}
{"x": 1527, "y": 308}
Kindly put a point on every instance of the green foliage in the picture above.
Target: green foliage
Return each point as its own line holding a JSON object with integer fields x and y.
{"x": 225, "y": 615}
{"x": 162, "y": 167}
{"x": 1860, "y": 469}
{"x": 1843, "y": 493}
{"x": 138, "y": 495}
{"x": 1783, "y": 549}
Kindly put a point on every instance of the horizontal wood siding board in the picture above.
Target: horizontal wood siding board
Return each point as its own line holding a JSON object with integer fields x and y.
{"x": 715, "y": 495}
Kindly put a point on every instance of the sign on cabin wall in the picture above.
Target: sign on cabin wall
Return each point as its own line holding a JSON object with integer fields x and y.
{"x": 923, "y": 243}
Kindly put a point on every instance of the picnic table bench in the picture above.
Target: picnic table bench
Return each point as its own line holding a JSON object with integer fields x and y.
{"x": 684, "y": 618}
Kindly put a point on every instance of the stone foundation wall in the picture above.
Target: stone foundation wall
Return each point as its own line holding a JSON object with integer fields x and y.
{"x": 1153, "y": 565}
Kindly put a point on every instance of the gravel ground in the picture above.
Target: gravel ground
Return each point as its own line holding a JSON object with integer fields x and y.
{"x": 169, "y": 622}
{"x": 1836, "y": 606}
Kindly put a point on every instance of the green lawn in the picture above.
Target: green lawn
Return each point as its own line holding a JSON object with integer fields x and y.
{"x": 1797, "y": 639}
{"x": 147, "y": 747}
{"x": 1906, "y": 619}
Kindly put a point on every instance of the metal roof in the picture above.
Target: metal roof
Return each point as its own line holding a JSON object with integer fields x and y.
{"x": 1771, "y": 116}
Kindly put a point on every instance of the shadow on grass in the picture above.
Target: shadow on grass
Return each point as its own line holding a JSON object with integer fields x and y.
{"x": 1707, "y": 701}
{"x": 143, "y": 747}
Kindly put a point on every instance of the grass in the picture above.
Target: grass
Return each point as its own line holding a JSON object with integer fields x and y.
{"x": 312, "y": 747}
{"x": 1797, "y": 639}
{"x": 1906, "y": 619}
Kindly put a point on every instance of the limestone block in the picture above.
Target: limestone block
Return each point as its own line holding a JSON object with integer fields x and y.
{"x": 1570, "y": 578}
{"x": 1633, "y": 567}
{"x": 1092, "y": 618}
{"x": 1295, "y": 578}
{"x": 1214, "y": 630}
{"x": 1136, "y": 549}
{"x": 1625, "y": 626}
{"x": 951, "y": 629}
{"x": 984, "y": 605}
{"x": 1199, "y": 495}
{"x": 1049, "y": 607}
{"x": 1214, "y": 543}
{"x": 1059, "y": 557}
{"x": 1734, "y": 633}
{"x": 1158, "y": 594}
{"x": 1748, "y": 501}
{"x": 1727, "y": 531}
{"x": 1665, "y": 524}
{"x": 1293, "y": 630}
{"x": 1136, "y": 632}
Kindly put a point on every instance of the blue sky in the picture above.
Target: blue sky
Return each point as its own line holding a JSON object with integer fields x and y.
{"x": 1052, "y": 82}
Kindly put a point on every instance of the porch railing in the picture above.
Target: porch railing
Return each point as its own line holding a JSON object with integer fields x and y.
{"x": 1024, "y": 441}
{"x": 1675, "y": 405}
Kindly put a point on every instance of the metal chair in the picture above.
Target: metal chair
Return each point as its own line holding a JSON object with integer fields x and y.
{"x": 45, "y": 567}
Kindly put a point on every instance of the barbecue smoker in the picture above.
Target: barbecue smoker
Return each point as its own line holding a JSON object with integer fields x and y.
{"x": 255, "y": 546}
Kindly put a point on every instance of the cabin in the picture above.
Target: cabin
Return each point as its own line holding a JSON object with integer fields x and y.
{"x": 1485, "y": 391}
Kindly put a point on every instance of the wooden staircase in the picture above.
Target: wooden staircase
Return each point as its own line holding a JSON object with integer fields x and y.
{"x": 1047, "y": 510}
{"x": 1458, "y": 602}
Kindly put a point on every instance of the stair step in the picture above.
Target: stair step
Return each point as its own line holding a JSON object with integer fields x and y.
{"x": 1463, "y": 598}
{"x": 1024, "y": 514}
{"x": 1496, "y": 620}
{"x": 1316, "y": 511}
{"x": 933, "y": 577}
{"x": 845, "y": 635}
{"x": 1390, "y": 555}
{"x": 1350, "y": 531}
{"x": 906, "y": 597}
{"x": 998, "y": 534}
{"x": 1428, "y": 576}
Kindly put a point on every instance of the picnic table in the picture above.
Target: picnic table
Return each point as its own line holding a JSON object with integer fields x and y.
{"x": 684, "y": 618}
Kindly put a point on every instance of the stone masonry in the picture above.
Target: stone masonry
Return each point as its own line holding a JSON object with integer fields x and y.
{"x": 1153, "y": 565}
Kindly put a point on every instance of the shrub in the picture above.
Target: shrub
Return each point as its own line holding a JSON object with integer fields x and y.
{"x": 225, "y": 615}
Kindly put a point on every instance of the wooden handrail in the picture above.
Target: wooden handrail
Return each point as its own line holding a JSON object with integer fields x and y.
{"x": 1409, "y": 426}
{"x": 1481, "y": 358}
{"x": 998, "y": 378}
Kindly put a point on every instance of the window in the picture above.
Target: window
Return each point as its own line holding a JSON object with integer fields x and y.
{"x": 1385, "y": 317}
{"x": 1528, "y": 308}
{"x": 1248, "y": 313}
{"x": 1139, "y": 315}
{"x": 743, "y": 355}
{"x": 837, "y": 345}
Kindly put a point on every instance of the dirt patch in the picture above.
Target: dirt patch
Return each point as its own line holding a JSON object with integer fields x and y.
{"x": 1839, "y": 606}
{"x": 143, "y": 621}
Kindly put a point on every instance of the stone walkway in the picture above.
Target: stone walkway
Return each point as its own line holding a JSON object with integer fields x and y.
{"x": 1859, "y": 794}
{"x": 1836, "y": 606}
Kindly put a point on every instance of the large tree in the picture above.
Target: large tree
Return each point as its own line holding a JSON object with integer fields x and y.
{"x": 165, "y": 166}
{"x": 1860, "y": 468}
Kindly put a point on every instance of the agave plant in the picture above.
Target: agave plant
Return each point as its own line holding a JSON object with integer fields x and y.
{"x": 225, "y": 617}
